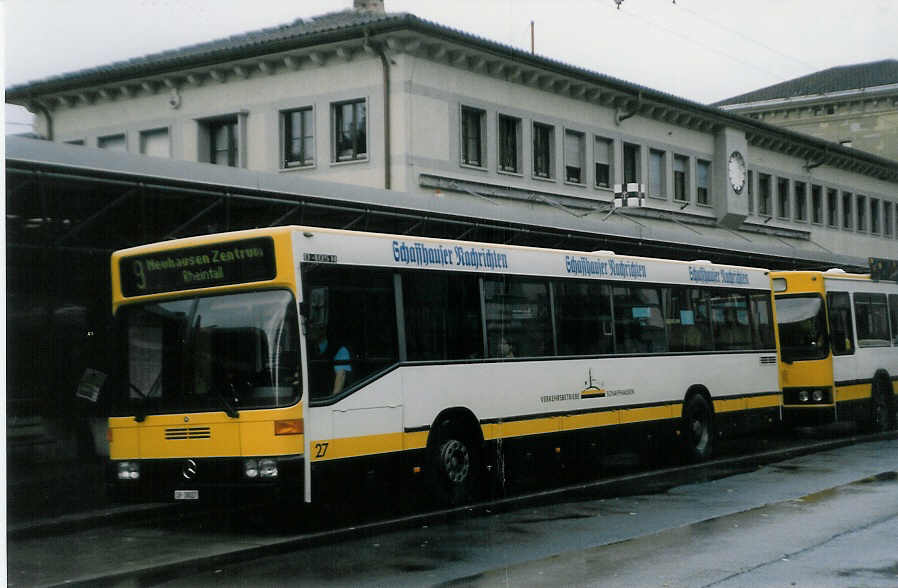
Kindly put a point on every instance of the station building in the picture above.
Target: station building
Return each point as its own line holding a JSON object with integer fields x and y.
{"x": 853, "y": 105}
{"x": 387, "y": 122}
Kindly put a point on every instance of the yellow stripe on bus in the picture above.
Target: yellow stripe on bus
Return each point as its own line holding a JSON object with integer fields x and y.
{"x": 346, "y": 447}
{"x": 766, "y": 401}
{"x": 747, "y": 403}
{"x": 853, "y": 392}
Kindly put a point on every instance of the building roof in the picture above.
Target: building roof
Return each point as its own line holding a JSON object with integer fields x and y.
{"x": 236, "y": 46}
{"x": 301, "y": 33}
{"x": 835, "y": 79}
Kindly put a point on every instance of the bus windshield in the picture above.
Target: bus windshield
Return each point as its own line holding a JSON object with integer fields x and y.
{"x": 229, "y": 352}
{"x": 802, "y": 327}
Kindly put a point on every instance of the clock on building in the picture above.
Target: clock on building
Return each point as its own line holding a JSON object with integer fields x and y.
{"x": 736, "y": 171}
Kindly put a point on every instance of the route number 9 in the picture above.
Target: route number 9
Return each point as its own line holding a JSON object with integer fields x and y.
{"x": 140, "y": 274}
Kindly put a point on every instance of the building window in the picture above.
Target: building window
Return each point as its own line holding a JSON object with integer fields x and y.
{"x": 846, "y": 210}
{"x": 604, "y": 155}
{"x": 223, "y": 143}
{"x": 751, "y": 191}
{"x": 816, "y": 204}
{"x": 861, "y": 223}
{"x": 299, "y": 138}
{"x": 681, "y": 178}
{"x": 113, "y": 143}
{"x": 509, "y": 144}
{"x": 632, "y": 173}
{"x": 764, "y": 207}
{"x": 874, "y": 216}
{"x": 472, "y": 135}
{"x": 888, "y": 224}
{"x": 574, "y": 157}
{"x": 656, "y": 173}
{"x": 832, "y": 207}
{"x": 155, "y": 143}
{"x": 801, "y": 202}
{"x": 350, "y": 130}
{"x": 782, "y": 197}
{"x": 543, "y": 150}
{"x": 703, "y": 181}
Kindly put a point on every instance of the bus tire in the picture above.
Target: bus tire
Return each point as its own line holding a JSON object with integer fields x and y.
{"x": 882, "y": 411}
{"x": 698, "y": 428}
{"x": 456, "y": 463}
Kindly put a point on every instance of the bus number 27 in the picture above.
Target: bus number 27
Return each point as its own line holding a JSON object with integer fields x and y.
{"x": 320, "y": 450}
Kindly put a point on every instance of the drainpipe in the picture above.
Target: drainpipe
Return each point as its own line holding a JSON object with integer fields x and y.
{"x": 37, "y": 106}
{"x": 385, "y": 66}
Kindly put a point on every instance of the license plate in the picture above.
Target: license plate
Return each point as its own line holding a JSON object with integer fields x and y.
{"x": 187, "y": 494}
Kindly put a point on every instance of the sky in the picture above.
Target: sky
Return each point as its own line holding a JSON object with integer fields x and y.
{"x": 702, "y": 50}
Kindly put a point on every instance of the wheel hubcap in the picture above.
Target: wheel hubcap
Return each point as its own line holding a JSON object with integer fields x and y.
{"x": 699, "y": 432}
{"x": 455, "y": 460}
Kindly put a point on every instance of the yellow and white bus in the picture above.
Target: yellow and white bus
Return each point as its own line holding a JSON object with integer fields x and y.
{"x": 838, "y": 344}
{"x": 286, "y": 358}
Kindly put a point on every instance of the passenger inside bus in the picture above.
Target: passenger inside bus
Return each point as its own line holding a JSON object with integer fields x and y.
{"x": 331, "y": 363}
{"x": 506, "y": 349}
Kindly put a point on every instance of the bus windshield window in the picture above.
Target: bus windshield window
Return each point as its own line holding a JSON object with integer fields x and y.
{"x": 227, "y": 352}
{"x": 802, "y": 327}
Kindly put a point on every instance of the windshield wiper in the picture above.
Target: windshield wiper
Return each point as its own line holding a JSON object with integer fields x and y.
{"x": 140, "y": 415}
{"x": 229, "y": 408}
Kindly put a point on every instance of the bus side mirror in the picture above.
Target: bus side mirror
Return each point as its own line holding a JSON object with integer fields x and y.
{"x": 304, "y": 309}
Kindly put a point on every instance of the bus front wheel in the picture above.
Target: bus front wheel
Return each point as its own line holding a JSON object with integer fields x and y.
{"x": 697, "y": 428}
{"x": 882, "y": 417}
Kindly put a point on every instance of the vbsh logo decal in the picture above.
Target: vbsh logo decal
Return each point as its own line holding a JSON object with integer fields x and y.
{"x": 594, "y": 388}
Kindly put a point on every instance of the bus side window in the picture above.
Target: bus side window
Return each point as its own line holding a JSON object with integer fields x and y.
{"x": 442, "y": 316}
{"x": 687, "y": 317}
{"x": 639, "y": 323}
{"x": 762, "y": 321}
{"x": 840, "y": 325}
{"x": 872, "y": 320}
{"x": 730, "y": 322}
{"x": 583, "y": 317}
{"x": 893, "y": 317}
{"x": 518, "y": 319}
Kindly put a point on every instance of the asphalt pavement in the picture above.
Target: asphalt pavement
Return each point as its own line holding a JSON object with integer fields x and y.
{"x": 493, "y": 547}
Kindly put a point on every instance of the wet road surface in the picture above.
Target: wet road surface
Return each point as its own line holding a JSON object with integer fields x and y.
{"x": 481, "y": 549}
{"x": 774, "y": 526}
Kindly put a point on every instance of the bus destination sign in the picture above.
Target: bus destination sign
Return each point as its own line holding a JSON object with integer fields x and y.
{"x": 216, "y": 264}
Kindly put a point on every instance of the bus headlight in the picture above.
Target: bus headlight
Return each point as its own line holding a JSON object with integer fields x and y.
{"x": 268, "y": 468}
{"x": 818, "y": 395}
{"x": 128, "y": 470}
{"x": 265, "y": 469}
{"x": 251, "y": 469}
{"x": 803, "y": 395}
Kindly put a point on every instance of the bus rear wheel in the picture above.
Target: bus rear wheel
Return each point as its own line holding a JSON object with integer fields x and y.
{"x": 697, "y": 429}
{"x": 456, "y": 465}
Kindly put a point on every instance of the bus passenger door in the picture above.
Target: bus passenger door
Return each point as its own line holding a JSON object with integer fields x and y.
{"x": 842, "y": 342}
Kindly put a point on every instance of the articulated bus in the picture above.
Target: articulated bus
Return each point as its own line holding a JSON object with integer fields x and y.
{"x": 282, "y": 359}
{"x": 838, "y": 343}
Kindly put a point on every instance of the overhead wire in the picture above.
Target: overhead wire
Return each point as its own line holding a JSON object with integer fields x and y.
{"x": 746, "y": 37}
{"x": 713, "y": 49}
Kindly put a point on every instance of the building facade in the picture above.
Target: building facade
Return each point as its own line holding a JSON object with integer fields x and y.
{"x": 852, "y": 105}
{"x": 373, "y": 99}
